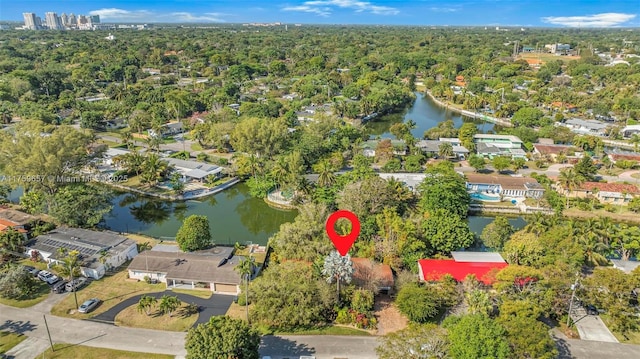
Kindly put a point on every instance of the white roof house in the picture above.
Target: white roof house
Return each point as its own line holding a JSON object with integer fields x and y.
{"x": 480, "y": 257}
{"x": 587, "y": 127}
{"x": 194, "y": 169}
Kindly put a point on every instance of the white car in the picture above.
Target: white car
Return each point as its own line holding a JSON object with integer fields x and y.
{"x": 89, "y": 305}
{"x": 48, "y": 277}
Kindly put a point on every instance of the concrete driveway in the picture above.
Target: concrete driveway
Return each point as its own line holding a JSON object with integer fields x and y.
{"x": 320, "y": 346}
{"x": 218, "y": 304}
{"x": 591, "y": 327}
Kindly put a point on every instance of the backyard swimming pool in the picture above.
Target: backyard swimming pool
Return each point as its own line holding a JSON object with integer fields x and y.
{"x": 479, "y": 196}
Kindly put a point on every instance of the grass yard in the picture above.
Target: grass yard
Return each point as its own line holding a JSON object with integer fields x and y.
{"x": 140, "y": 239}
{"x": 180, "y": 322}
{"x": 623, "y": 216}
{"x": 111, "y": 289}
{"x": 65, "y": 351}
{"x": 41, "y": 294}
{"x": 633, "y": 337}
{"x": 545, "y": 57}
{"x": 9, "y": 340}
{"x": 328, "y": 330}
{"x": 237, "y": 311}
{"x": 204, "y": 294}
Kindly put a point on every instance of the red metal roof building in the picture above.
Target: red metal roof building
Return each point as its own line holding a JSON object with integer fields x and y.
{"x": 434, "y": 269}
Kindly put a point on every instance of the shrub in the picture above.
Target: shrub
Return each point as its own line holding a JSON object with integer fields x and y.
{"x": 362, "y": 300}
{"x": 417, "y": 303}
{"x": 147, "y": 279}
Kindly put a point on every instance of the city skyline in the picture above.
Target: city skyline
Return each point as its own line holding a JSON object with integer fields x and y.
{"x": 525, "y": 13}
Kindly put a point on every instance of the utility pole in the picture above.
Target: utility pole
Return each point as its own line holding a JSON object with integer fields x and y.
{"x": 574, "y": 286}
{"x": 48, "y": 333}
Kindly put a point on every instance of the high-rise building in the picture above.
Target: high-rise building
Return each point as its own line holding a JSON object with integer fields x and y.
{"x": 53, "y": 21}
{"x": 94, "y": 19}
{"x": 30, "y": 21}
{"x": 38, "y": 22}
{"x": 82, "y": 20}
{"x": 64, "y": 19}
{"x": 72, "y": 20}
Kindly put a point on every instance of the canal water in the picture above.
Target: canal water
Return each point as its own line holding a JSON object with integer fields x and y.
{"x": 426, "y": 113}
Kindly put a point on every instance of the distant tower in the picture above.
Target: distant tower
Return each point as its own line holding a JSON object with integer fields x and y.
{"x": 94, "y": 19}
{"x": 53, "y": 21}
{"x": 286, "y": 27}
{"x": 72, "y": 20}
{"x": 65, "y": 19}
{"x": 30, "y": 21}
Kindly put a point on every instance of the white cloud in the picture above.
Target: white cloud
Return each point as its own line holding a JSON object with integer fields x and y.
{"x": 121, "y": 15}
{"x": 443, "y": 9}
{"x": 326, "y": 7}
{"x": 610, "y": 19}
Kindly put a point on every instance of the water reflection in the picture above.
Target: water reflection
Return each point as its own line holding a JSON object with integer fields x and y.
{"x": 151, "y": 211}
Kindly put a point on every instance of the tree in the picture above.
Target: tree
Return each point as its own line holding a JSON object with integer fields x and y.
{"x": 69, "y": 266}
{"x": 11, "y": 241}
{"x": 527, "y": 337}
{"x": 80, "y": 205}
{"x": 518, "y": 163}
{"x": 153, "y": 169}
{"x": 524, "y": 249}
{"x": 527, "y": 117}
{"x": 478, "y": 302}
{"x": 60, "y": 154}
{"x": 305, "y": 237}
{"x": 290, "y": 296}
{"x": 586, "y": 168}
{"x": 17, "y": 283}
{"x": 477, "y": 162}
{"x": 446, "y": 232}
{"x": 223, "y": 337}
{"x": 145, "y": 303}
{"x": 466, "y": 133}
{"x": 418, "y": 303}
{"x": 194, "y": 234}
{"x": 261, "y": 137}
{"x": 417, "y": 341}
{"x": 496, "y": 233}
{"x": 169, "y": 304}
{"x": 337, "y": 268}
{"x": 245, "y": 268}
{"x": 444, "y": 188}
{"x": 476, "y": 336}
{"x": 501, "y": 163}
{"x": 571, "y": 180}
{"x": 445, "y": 150}
{"x": 610, "y": 289}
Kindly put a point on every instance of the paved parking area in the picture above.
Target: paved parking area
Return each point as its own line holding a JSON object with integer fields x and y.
{"x": 591, "y": 327}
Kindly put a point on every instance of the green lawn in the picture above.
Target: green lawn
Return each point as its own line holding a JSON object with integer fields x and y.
{"x": 65, "y": 351}
{"x": 9, "y": 340}
{"x": 41, "y": 294}
{"x": 204, "y": 294}
{"x": 632, "y": 338}
{"x": 179, "y": 322}
{"x": 328, "y": 330}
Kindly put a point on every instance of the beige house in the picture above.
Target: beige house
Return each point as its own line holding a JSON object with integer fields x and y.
{"x": 615, "y": 193}
{"x": 212, "y": 269}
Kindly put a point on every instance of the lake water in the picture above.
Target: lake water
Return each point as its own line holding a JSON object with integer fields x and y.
{"x": 426, "y": 114}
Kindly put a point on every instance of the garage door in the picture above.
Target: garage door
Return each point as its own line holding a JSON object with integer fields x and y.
{"x": 226, "y": 288}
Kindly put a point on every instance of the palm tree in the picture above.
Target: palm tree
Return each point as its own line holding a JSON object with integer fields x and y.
{"x": 145, "y": 303}
{"x": 245, "y": 269}
{"x": 326, "y": 177}
{"x": 169, "y": 304}
{"x": 445, "y": 150}
{"x": 593, "y": 249}
{"x": 154, "y": 169}
{"x": 69, "y": 266}
{"x": 571, "y": 180}
{"x": 154, "y": 142}
{"x": 635, "y": 140}
{"x": 338, "y": 268}
{"x": 127, "y": 138}
{"x": 104, "y": 256}
{"x": 478, "y": 302}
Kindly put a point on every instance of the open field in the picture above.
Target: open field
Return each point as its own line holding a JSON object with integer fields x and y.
{"x": 624, "y": 216}
{"x": 65, "y": 351}
{"x": 545, "y": 57}
{"x": 179, "y": 322}
{"x": 632, "y": 338}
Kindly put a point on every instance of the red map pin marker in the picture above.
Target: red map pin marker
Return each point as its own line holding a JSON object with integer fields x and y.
{"x": 343, "y": 243}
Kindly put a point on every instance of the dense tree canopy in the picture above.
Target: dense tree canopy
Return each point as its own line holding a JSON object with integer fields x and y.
{"x": 223, "y": 337}
{"x": 194, "y": 234}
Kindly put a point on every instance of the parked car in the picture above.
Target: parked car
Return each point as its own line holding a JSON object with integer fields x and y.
{"x": 48, "y": 277}
{"x": 32, "y": 270}
{"x": 59, "y": 287}
{"x": 591, "y": 309}
{"x": 89, "y": 305}
{"x": 76, "y": 284}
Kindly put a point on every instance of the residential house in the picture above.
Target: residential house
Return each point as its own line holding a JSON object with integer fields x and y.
{"x": 212, "y": 269}
{"x": 567, "y": 107}
{"x": 488, "y": 145}
{"x": 615, "y": 193}
{"x": 631, "y": 130}
{"x": 552, "y": 151}
{"x": 369, "y": 147}
{"x": 367, "y": 272}
{"x": 558, "y": 49}
{"x": 624, "y": 156}
{"x": 194, "y": 170}
{"x": 483, "y": 265}
{"x": 432, "y": 147}
{"x": 624, "y": 265}
{"x": 168, "y": 129}
{"x": 586, "y": 127}
{"x": 16, "y": 219}
{"x": 98, "y": 250}
{"x": 112, "y": 153}
{"x": 115, "y": 124}
{"x": 504, "y": 186}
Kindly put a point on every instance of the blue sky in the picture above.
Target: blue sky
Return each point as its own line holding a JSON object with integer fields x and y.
{"x": 527, "y": 13}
